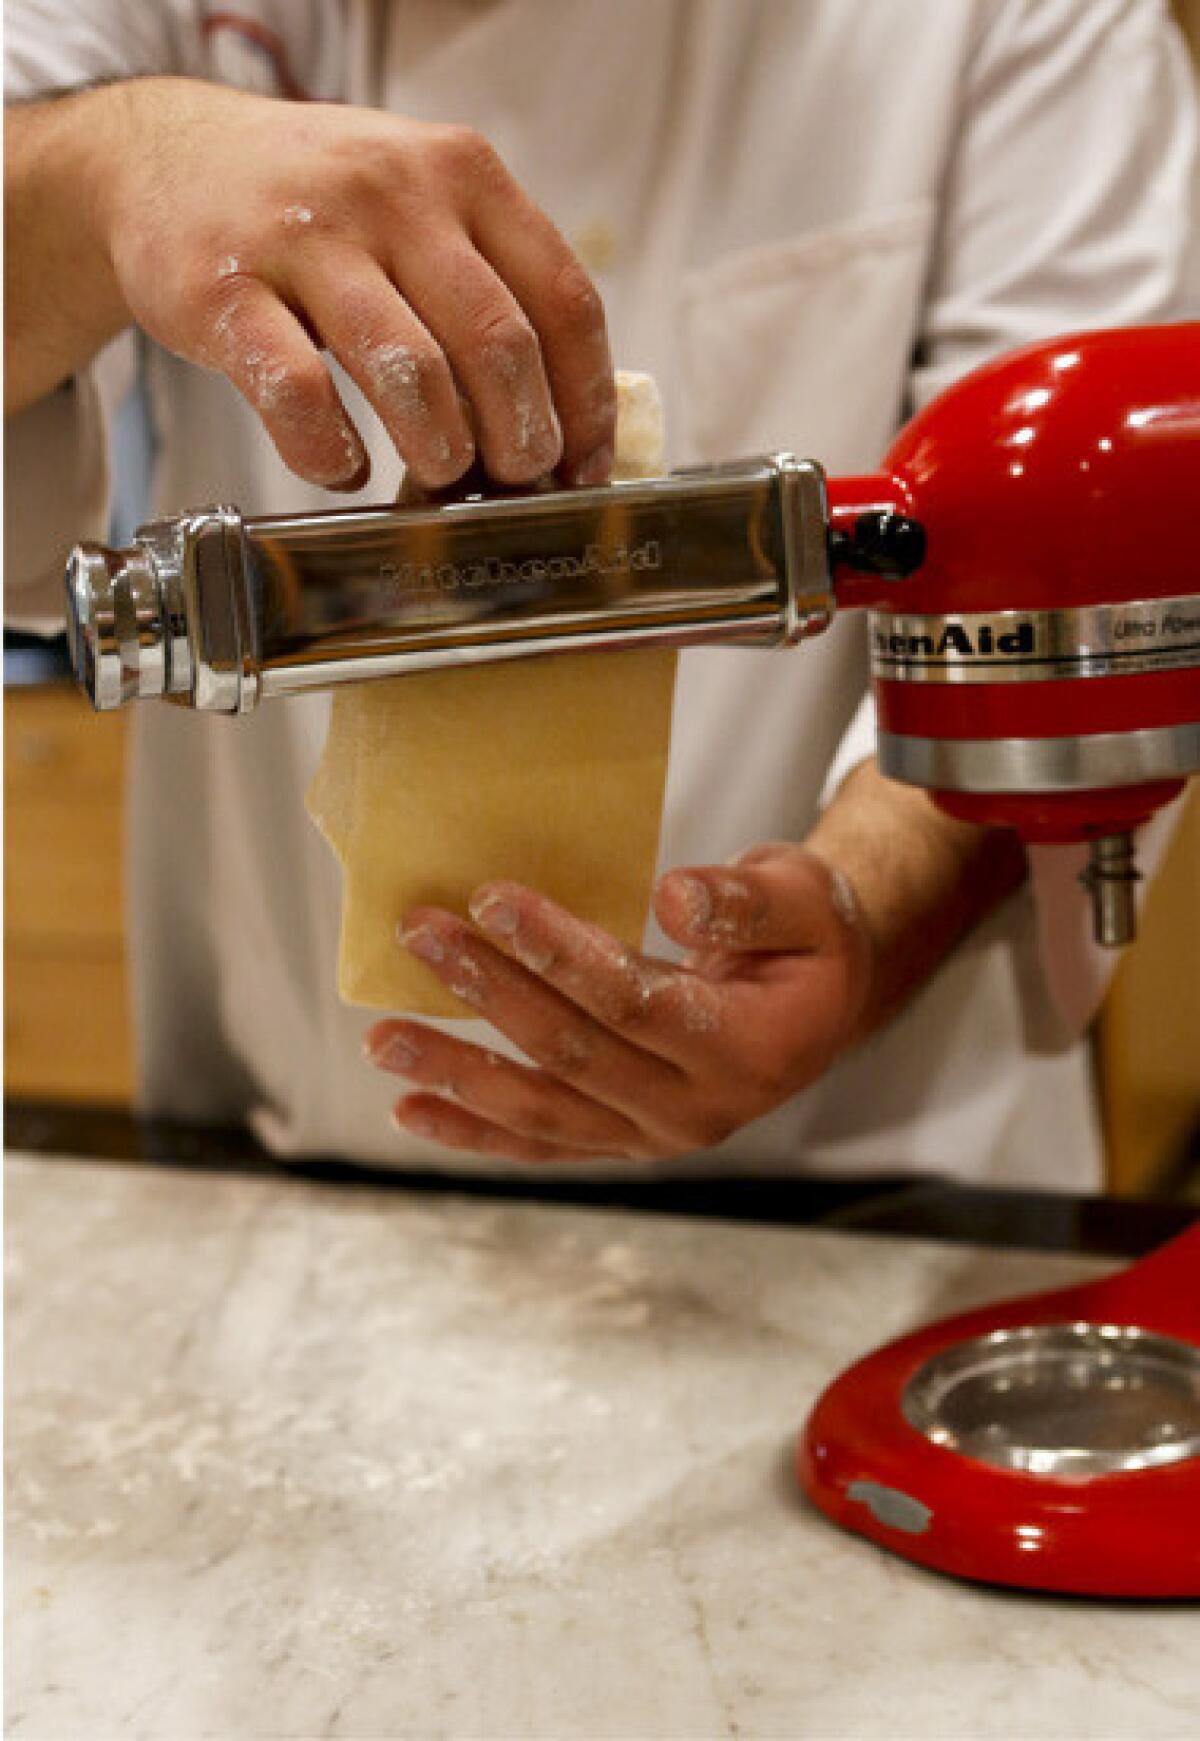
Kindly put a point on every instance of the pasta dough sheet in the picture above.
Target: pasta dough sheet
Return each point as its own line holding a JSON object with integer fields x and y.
{"x": 542, "y": 771}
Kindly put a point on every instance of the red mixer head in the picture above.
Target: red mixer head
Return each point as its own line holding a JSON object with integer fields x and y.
{"x": 1040, "y": 669}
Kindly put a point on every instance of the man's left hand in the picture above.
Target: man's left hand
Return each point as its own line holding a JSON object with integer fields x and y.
{"x": 629, "y": 1055}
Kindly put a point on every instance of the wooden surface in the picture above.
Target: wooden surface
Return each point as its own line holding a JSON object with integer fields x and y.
{"x": 1149, "y": 1035}
{"x": 66, "y": 1017}
{"x": 1188, "y": 14}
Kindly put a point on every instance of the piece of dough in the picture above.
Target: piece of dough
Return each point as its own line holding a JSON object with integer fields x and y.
{"x": 543, "y": 771}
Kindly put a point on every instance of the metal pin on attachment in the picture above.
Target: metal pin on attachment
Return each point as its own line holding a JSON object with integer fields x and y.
{"x": 1110, "y": 879}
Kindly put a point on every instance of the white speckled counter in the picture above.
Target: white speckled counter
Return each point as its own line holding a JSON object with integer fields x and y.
{"x": 290, "y": 1461}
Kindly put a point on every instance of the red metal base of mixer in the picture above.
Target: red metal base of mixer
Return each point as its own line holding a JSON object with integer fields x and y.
{"x": 1134, "y": 1533}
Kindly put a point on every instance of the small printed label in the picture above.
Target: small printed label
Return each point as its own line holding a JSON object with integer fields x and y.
{"x": 424, "y": 580}
{"x": 1095, "y": 641}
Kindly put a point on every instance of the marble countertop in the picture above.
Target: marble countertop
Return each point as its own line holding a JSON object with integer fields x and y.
{"x": 289, "y": 1460}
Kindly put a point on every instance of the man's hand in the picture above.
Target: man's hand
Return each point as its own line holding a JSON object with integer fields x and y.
{"x": 795, "y": 953}
{"x": 248, "y": 234}
{"x": 635, "y": 1056}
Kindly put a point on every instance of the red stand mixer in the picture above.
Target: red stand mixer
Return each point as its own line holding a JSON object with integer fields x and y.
{"x": 1042, "y": 673}
{"x": 1029, "y": 557}
{"x": 1040, "y": 670}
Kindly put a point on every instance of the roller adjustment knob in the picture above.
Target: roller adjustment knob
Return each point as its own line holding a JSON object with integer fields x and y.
{"x": 880, "y": 542}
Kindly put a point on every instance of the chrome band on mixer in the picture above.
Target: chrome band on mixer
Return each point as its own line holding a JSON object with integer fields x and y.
{"x": 1025, "y": 765}
{"x": 1158, "y": 634}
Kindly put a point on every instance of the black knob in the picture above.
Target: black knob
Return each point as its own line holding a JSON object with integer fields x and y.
{"x": 882, "y": 542}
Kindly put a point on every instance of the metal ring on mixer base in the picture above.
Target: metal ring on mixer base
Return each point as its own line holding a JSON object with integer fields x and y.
{"x": 1062, "y": 1399}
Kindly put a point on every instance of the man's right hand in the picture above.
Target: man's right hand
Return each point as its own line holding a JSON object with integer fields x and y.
{"x": 247, "y": 235}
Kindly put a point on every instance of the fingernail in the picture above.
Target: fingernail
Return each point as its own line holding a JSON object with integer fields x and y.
{"x": 416, "y": 1123}
{"x": 698, "y": 901}
{"x": 357, "y": 480}
{"x": 493, "y": 913}
{"x": 595, "y": 469}
{"x": 396, "y": 1053}
{"x": 425, "y": 944}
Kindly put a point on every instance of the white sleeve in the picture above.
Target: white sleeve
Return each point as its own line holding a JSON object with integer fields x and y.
{"x": 857, "y": 745}
{"x": 55, "y": 493}
{"x": 1069, "y": 192}
{"x": 56, "y": 483}
{"x": 52, "y": 46}
{"x": 1070, "y": 200}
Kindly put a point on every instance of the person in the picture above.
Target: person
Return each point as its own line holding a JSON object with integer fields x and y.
{"x": 804, "y": 218}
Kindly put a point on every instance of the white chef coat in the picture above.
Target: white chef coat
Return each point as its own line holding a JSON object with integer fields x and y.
{"x": 814, "y": 214}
